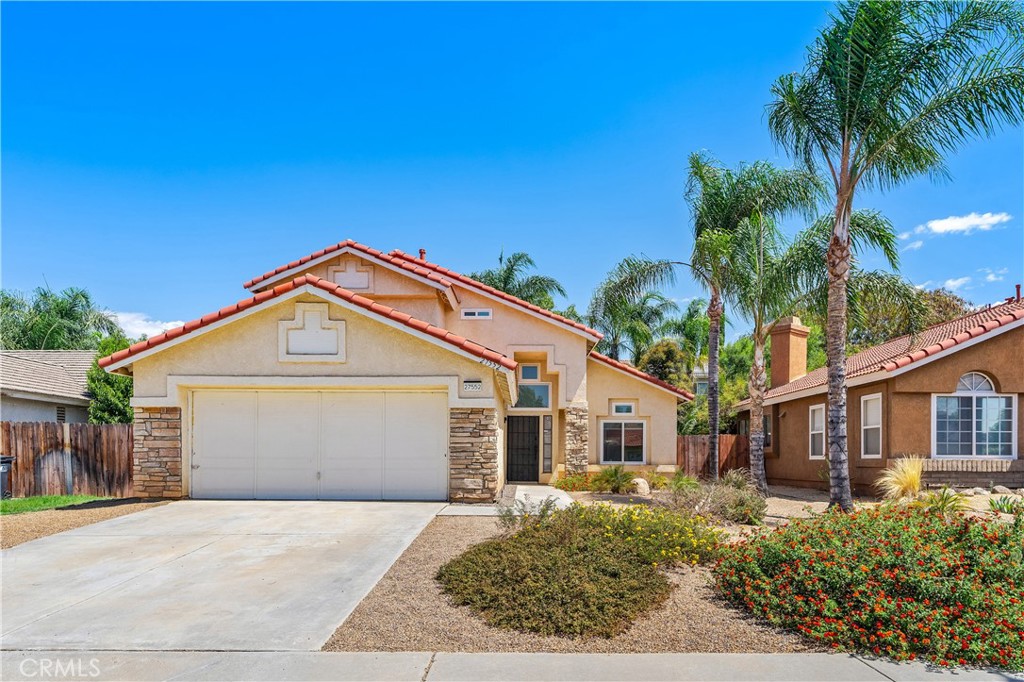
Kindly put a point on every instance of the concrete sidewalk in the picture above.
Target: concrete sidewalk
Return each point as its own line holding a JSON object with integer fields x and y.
{"x": 445, "y": 667}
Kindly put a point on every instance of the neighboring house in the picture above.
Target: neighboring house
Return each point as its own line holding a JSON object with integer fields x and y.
{"x": 699, "y": 375}
{"x": 44, "y": 385}
{"x": 952, "y": 394}
{"x": 358, "y": 374}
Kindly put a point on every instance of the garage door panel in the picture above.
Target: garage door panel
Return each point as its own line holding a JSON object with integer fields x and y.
{"x": 352, "y": 446}
{"x": 224, "y": 447}
{"x": 416, "y": 444}
{"x": 288, "y": 439}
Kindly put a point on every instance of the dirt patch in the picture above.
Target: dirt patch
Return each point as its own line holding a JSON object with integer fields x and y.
{"x": 407, "y": 611}
{"x": 18, "y": 528}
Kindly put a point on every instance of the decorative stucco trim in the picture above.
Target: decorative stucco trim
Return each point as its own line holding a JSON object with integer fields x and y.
{"x": 305, "y": 314}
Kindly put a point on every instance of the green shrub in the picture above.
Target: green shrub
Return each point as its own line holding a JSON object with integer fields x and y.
{"x": 735, "y": 499}
{"x": 1006, "y": 505}
{"x": 740, "y": 479}
{"x": 657, "y": 482}
{"x": 573, "y": 483}
{"x": 612, "y": 479}
{"x": 681, "y": 482}
{"x": 522, "y": 515}
{"x": 564, "y": 578}
{"x": 944, "y": 501}
{"x": 898, "y": 580}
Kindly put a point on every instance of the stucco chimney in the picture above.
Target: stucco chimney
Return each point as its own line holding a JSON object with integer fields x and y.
{"x": 423, "y": 254}
{"x": 789, "y": 351}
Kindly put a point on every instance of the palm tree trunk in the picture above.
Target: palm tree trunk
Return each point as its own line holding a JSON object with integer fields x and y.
{"x": 758, "y": 384}
{"x": 715, "y": 319}
{"x": 838, "y": 258}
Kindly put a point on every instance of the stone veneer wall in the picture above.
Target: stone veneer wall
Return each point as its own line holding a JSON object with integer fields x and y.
{"x": 577, "y": 438}
{"x": 472, "y": 454}
{"x": 157, "y": 466}
{"x": 978, "y": 473}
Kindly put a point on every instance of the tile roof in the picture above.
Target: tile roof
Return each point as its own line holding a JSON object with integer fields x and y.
{"x": 630, "y": 369}
{"x": 47, "y": 372}
{"x": 352, "y": 244}
{"x": 469, "y": 281}
{"x": 377, "y": 309}
{"x": 906, "y": 350}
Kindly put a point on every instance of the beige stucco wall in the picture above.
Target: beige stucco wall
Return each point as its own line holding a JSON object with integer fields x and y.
{"x": 248, "y": 347}
{"x": 654, "y": 406}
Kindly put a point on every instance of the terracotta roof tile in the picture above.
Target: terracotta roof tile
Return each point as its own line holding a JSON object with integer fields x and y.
{"x": 356, "y": 246}
{"x": 906, "y": 350}
{"x": 630, "y": 369}
{"x": 331, "y": 288}
{"x": 469, "y": 281}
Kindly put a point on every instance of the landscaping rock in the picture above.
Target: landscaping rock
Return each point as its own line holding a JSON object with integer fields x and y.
{"x": 1002, "y": 490}
{"x": 641, "y": 487}
{"x": 967, "y": 492}
{"x": 1020, "y": 491}
{"x": 979, "y": 491}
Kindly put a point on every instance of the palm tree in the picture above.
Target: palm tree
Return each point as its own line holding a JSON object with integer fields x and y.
{"x": 720, "y": 199}
{"x": 50, "y": 320}
{"x": 690, "y": 330}
{"x": 887, "y": 90}
{"x": 510, "y": 276}
{"x": 629, "y": 321}
{"x": 773, "y": 279}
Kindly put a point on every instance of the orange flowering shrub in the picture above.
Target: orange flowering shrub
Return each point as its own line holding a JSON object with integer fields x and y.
{"x": 894, "y": 581}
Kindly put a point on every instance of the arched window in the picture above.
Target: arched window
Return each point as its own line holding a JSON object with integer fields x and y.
{"x": 975, "y": 421}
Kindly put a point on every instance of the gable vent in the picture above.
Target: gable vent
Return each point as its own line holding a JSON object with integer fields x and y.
{"x": 61, "y": 414}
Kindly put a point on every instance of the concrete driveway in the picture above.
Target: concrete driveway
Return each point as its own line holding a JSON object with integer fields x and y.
{"x": 204, "y": 575}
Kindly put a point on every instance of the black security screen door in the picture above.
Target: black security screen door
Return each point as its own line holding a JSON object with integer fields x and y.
{"x": 523, "y": 448}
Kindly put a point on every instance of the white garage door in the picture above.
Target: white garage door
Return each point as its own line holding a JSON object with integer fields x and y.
{"x": 299, "y": 445}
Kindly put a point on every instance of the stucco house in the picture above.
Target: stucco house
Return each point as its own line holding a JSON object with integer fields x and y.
{"x": 353, "y": 373}
{"x": 44, "y": 385}
{"x": 952, "y": 394}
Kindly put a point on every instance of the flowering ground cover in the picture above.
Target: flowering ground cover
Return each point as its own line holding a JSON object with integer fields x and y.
{"x": 895, "y": 581}
{"x": 583, "y": 571}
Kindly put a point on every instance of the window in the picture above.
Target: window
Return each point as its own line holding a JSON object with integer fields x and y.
{"x": 534, "y": 396}
{"x": 816, "y": 423}
{"x": 476, "y": 313}
{"x": 871, "y": 426}
{"x": 529, "y": 372}
{"x": 623, "y": 409}
{"x": 701, "y": 388}
{"x": 975, "y": 421}
{"x": 622, "y": 442}
{"x": 766, "y": 422}
{"x": 546, "y": 443}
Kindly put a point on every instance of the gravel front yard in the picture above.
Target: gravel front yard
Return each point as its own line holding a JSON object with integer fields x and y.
{"x": 18, "y": 528}
{"x": 406, "y": 611}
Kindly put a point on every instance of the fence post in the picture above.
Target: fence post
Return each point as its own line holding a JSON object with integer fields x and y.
{"x": 69, "y": 474}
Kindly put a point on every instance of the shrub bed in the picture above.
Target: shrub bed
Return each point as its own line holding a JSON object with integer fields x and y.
{"x": 583, "y": 571}
{"x": 898, "y": 581}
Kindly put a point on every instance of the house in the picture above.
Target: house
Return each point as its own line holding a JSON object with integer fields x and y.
{"x": 353, "y": 373}
{"x": 44, "y": 385}
{"x": 951, "y": 393}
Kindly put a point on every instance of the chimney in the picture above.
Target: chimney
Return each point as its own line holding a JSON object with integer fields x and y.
{"x": 423, "y": 254}
{"x": 789, "y": 351}
{"x": 1018, "y": 293}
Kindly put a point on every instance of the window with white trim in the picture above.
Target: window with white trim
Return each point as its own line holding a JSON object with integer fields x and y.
{"x": 476, "y": 313}
{"x": 624, "y": 409}
{"x": 816, "y": 428}
{"x": 529, "y": 372}
{"x": 766, "y": 427}
{"x": 534, "y": 397}
{"x": 975, "y": 421}
{"x": 623, "y": 442}
{"x": 871, "y": 426}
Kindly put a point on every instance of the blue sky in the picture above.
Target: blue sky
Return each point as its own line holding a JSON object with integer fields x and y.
{"x": 161, "y": 154}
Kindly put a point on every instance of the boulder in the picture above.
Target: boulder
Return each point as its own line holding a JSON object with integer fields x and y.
{"x": 979, "y": 491}
{"x": 1020, "y": 491}
{"x": 641, "y": 487}
{"x": 967, "y": 492}
{"x": 1002, "y": 490}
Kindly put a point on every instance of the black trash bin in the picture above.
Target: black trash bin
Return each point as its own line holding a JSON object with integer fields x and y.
{"x": 5, "y": 473}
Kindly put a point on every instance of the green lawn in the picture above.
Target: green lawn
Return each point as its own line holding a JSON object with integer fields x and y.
{"x": 20, "y": 505}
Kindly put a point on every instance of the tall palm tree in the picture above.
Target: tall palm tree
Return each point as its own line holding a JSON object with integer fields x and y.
{"x": 690, "y": 330}
{"x": 773, "y": 279}
{"x": 511, "y": 277}
{"x": 53, "y": 320}
{"x": 720, "y": 198}
{"x": 889, "y": 88}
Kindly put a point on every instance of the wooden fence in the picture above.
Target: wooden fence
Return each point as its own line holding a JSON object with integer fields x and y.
{"x": 68, "y": 459}
{"x": 693, "y": 454}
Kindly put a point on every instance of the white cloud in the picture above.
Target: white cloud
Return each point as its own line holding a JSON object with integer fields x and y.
{"x": 954, "y": 284}
{"x": 137, "y": 324}
{"x": 994, "y": 275}
{"x": 914, "y": 245}
{"x": 923, "y": 285}
{"x": 964, "y": 224}
{"x": 903, "y": 236}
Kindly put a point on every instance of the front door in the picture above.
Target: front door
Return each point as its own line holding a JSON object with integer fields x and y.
{"x": 523, "y": 448}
